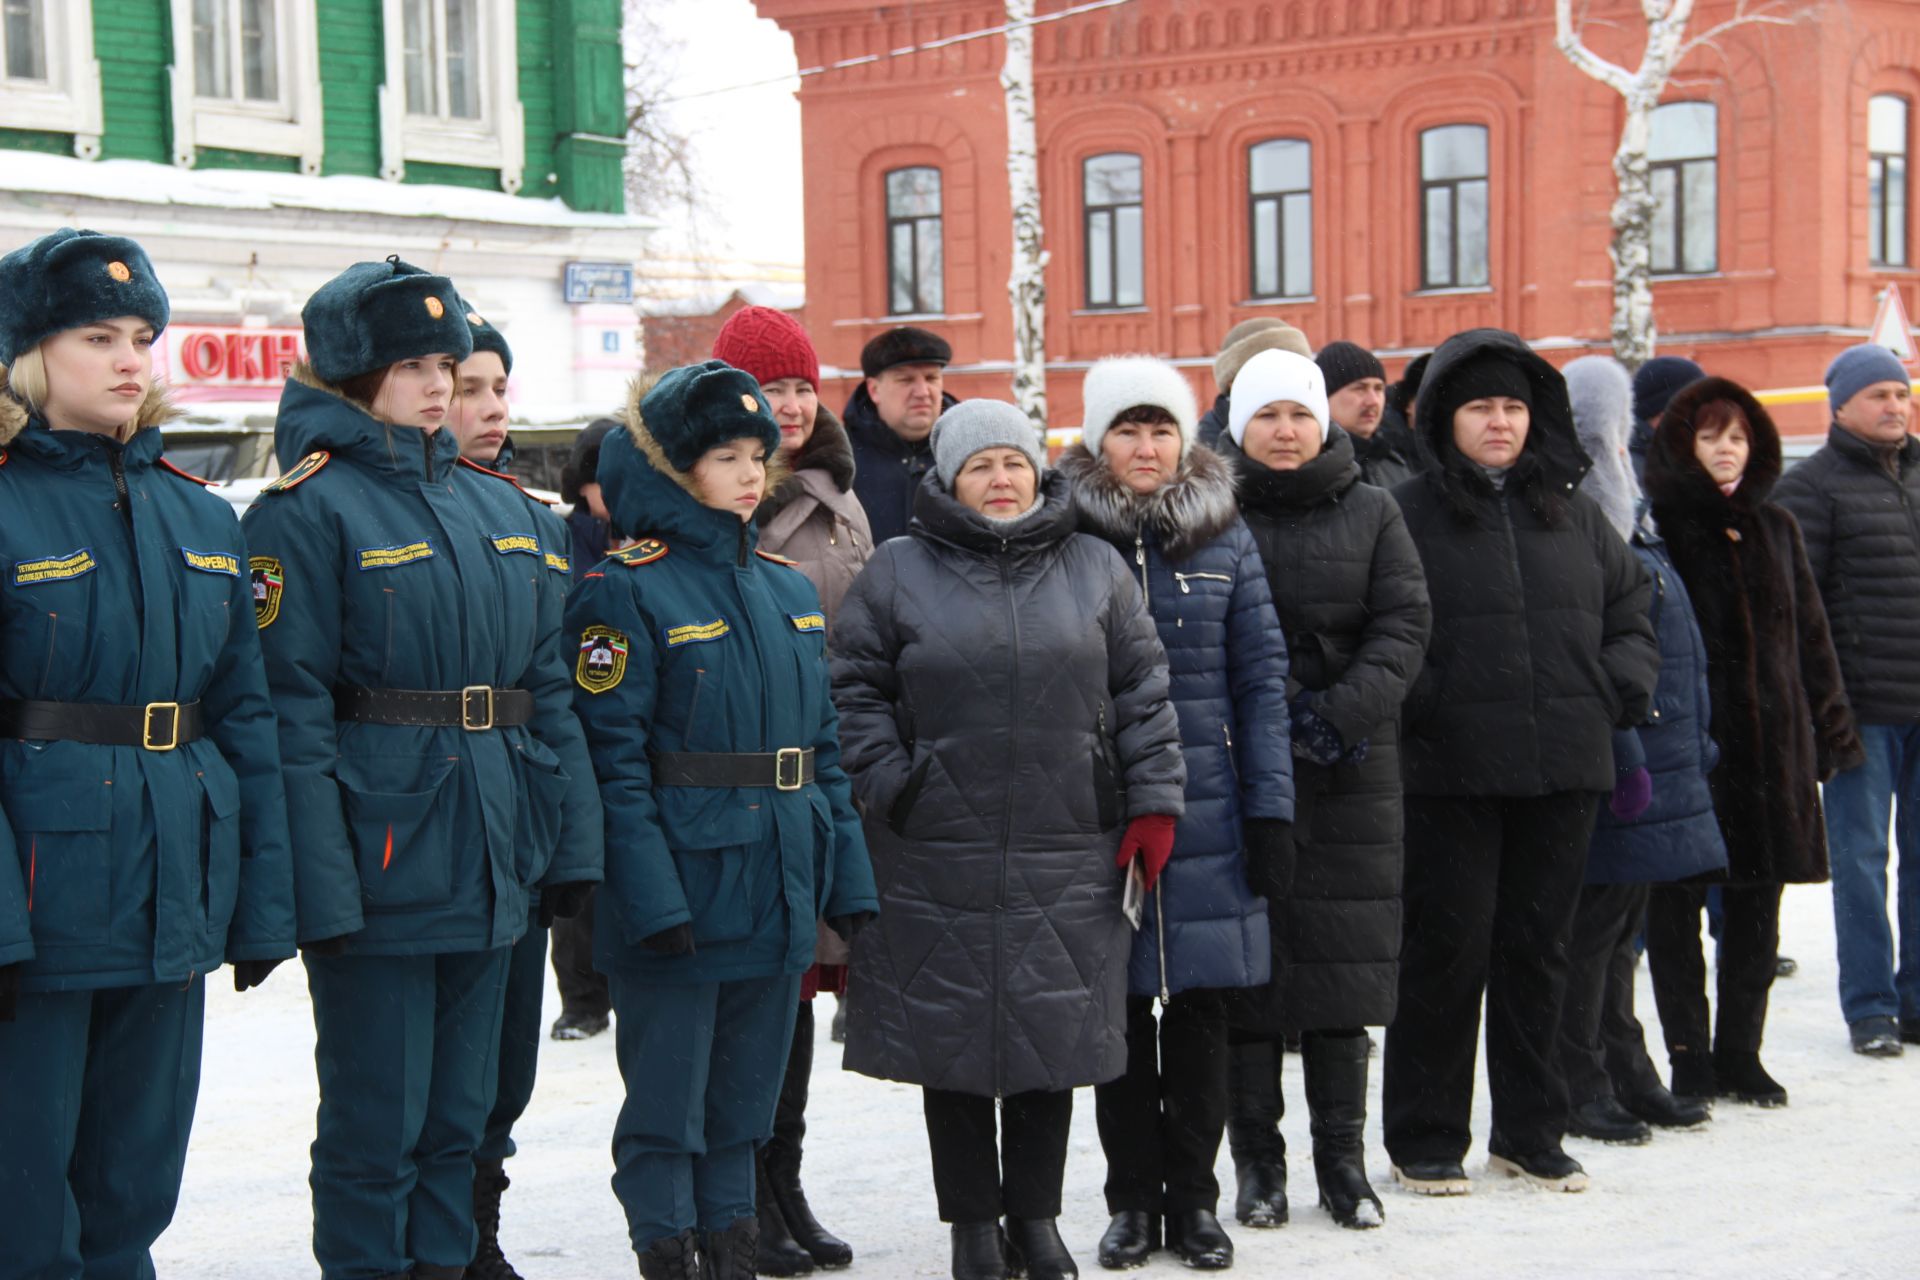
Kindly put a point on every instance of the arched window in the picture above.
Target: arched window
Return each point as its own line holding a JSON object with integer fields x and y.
{"x": 1683, "y": 163}
{"x": 1115, "y": 254}
{"x": 1453, "y": 206}
{"x": 1280, "y": 218}
{"x": 1887, "y": 123}
{"x": 914, "y": 263}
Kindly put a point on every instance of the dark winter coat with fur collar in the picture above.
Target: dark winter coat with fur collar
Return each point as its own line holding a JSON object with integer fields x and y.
{"x": 1353, "y": 604}
{"x": 1780, "y": 712}
{"x": 813, "y": 517}
{"x": 382, "y": 560}
{"x": 1207, "y": 591}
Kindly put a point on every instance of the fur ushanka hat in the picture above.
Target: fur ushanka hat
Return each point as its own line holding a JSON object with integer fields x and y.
{"x": 697, "y": 406}
{"x": 375, "y": 314}
{"x": 485, "y": 336}
{"x": 70, "y": 278}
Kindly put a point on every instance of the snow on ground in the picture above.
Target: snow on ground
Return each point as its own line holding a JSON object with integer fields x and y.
{"x": 1829, "y": 1187}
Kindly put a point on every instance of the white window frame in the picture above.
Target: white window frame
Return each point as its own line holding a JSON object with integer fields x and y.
{"x": 497, "y": 140}
{"x": 69, "y": 100}
{"x": 290, "y": 127}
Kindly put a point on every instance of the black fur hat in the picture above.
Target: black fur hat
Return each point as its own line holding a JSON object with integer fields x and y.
{"x": 375, "y": 314}
{"x": 904, "y": 345}
{"x": 697, "y": 406}
{"x": 70, "y": 278}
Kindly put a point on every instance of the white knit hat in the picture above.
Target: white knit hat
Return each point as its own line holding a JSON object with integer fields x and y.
{"x": 1276, "y": 375}
{"x": 1120, "y": 383}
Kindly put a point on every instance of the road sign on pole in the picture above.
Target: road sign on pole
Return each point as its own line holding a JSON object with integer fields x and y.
{"x": 1891, "y": 329}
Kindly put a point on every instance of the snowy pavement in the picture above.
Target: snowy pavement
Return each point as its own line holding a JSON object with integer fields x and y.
{"x": 1828, "y": 1187}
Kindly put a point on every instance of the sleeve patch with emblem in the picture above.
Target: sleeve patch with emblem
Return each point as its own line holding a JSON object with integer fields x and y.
{"x": 510, "y": 543}
{"x": 696, "y": 633}
{"x": 393, "y": 557}
{"x": 809, "y": 621}
{"x": 268, "y": 580}
{"x": 559, "y": 563}
{"x": 603, "y": 659}
{"x": 73, "y": 564}
{"x": 212, "y": 561}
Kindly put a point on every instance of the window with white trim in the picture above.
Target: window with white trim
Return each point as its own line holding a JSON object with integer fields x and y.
{"x": 1683, "y": 161}
{"x": 1887, "y": 180}
{"x": 246, "y": 77}
{"x": 452, "y": 92}
{"x": 49, "y": 80}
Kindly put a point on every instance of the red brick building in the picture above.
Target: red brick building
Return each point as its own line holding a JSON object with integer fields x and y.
{"x": 1385, "y": 171}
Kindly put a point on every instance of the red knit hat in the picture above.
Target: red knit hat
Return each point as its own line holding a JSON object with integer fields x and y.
{"x": 769, "y": 345}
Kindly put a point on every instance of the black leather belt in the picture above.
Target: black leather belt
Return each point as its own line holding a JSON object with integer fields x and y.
{"x": 788, "y": 769}
{"x": 157, "y": 726}
{"x": 476, "y": 707}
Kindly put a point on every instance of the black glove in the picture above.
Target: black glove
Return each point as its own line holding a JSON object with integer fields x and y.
{"x": 251, "y": 973}
{"x": 847, "y": 926}
{"x": 10, "y": 989}
{"x": 563, "y": 901}
{"x": 327, "y": 948}
{"x": 677, "y": 941}
{"x": 1269, "y": 844}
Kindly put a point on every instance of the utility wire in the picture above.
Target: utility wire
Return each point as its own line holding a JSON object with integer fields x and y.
{"x": 866, "y": 59}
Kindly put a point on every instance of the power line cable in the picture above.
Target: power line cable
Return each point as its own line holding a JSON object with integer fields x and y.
{"x": 870, "y": 58}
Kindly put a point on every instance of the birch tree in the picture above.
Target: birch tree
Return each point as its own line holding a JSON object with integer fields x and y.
{"x": 1667, "y": 46}
{"x": 1027, "y": 286}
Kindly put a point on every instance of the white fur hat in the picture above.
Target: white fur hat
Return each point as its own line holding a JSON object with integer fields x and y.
{"x": 1275, "y": 375}
{"x": 1119, "y": 383}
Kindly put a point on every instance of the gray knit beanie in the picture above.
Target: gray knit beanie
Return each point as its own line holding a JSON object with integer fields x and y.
{"x": 973, "y": 425}
{"x": 1857, "y": 368}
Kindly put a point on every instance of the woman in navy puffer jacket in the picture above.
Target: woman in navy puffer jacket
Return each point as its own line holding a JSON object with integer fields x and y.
{"x": 1657, "y": 827}
{"x": 1168, "y": 507}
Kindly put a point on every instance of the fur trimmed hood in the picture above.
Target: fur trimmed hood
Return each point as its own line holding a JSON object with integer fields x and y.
{"x": 1675, "y": 480}
{"x": 1601, "y": 393}
{"x": 155, "y": 409}
{"x": 1184, "y": 514}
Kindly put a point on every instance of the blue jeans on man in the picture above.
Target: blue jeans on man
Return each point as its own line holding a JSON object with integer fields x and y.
{"x": 1873, "y": 983}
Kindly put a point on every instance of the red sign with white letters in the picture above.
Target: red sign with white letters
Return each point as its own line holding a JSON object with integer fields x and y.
{"x": 232, "y": 358}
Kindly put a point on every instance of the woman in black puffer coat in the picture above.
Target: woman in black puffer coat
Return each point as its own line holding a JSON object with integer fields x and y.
{"x": 1353, "y": 604}
{"x": 1780, "y": 715}
{"x": 1541, "y": 647}
{"x": 1004, "y": 715}
{"x": 1167, "y": 506}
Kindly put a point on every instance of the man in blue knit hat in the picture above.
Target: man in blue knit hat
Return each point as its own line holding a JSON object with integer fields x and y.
{"x": 1858, "y": 503}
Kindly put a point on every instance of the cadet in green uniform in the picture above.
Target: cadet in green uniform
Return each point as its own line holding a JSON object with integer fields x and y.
{"x": 433, "y": 764}
{"x": 478, "y": 417}
{"x": 144, "y": 838}
{"x": 702, "y": 683}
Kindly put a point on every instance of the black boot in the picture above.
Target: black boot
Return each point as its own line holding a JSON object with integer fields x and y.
{"x": 1741, "y": 1077}
{"x": 780, "y": 1254}
{"x": 1195, "y": 1237}
{"x": 979, "y": 1251}
{"x": 730, "y": 1254}
{"x": 672, "y": 1258}
{"x": 490, "y": 1181}
{"x": 1253, "y": 1134}
{"x": 1692, "y": 1075}
{"x": 783, "y": 1154}
{"x": 1034, "y": 1245}
{"x": 1130, "y": 1238}
{"x": 1336, "y": 1067}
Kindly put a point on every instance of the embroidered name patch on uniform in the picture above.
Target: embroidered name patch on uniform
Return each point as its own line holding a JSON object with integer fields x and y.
{"x": 696, "y": 633}
{"x": 558, "y": 563}
{"x": 212, "y": 561}
{"x": 509, "y": 543}
{"x": 267, "y": 583}
{"x": 392, "y": 557}
{"x": 603, "y": 659}
{"x": 809, "y": 621}
{"x": 74, "y": 564}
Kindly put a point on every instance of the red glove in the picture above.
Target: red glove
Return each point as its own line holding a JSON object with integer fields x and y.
{"x": 1149, "y": 837}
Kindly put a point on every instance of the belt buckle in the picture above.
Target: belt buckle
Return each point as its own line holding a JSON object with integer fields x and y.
{"x": 782, "y": 759}
{"x": 468, "y": 721}
{"x": 151, "y": 741}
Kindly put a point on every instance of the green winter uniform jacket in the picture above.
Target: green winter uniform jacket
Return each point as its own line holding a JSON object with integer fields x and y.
{"x": 382, "y": 561}
{"x": 125, "y": 584}
{"x": 694, "y": 641}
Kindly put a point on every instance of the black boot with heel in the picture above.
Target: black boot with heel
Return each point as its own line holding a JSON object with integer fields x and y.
{"x": 1253, "y": 1133}
{"x": 1336, "y": 1070}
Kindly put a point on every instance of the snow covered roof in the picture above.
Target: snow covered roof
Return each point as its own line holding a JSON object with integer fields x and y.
{"x": 143, "y": 182}
{"x": 705, "y": 300}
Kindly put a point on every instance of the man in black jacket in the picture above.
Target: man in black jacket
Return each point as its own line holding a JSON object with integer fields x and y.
{"x": 1858, "y": 504}
{"x": 889, "y": 420}
{"x": 1357, "y": 401}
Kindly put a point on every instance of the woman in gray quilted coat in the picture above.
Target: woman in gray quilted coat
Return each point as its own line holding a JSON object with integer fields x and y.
{"x": 1005, "y": 720}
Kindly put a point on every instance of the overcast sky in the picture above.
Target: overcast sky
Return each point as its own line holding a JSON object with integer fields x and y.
{"x": 747, "y": 142}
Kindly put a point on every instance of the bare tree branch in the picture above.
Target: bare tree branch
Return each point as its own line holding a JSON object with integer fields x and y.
{"x": 659, "y": 165}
